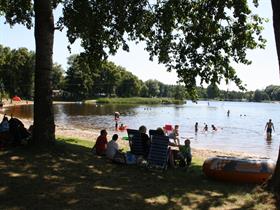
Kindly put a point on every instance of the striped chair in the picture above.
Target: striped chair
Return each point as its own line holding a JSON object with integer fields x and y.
{"x": 158, "y": 156}
{"x": 135, "y": 142}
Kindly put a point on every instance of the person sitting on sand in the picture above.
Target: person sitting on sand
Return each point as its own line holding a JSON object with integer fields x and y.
{"x": 146, "y": 142}
{"x": 17, "y": 131}
{"x": 4, "y": 125}
{"x": 185, "y": 152}
{"x": 113, "y": 152}
{"x": 101, "y": 143}
{"x": 160, "y": 131}
{"x": 172, "y": 152}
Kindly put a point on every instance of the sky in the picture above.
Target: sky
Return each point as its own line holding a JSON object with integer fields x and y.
{"x": 262, "y": 72}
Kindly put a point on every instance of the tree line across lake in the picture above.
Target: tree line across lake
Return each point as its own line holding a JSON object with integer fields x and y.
{"x": 83, "y": 81}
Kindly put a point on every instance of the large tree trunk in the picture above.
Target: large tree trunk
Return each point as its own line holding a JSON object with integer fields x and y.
{"x": 44, "y": 128}
{"x": 276, "y": 25}
{"x": 274, "y": 183}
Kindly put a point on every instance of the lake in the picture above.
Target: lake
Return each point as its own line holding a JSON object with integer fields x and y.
{"x": 242, "y": 131}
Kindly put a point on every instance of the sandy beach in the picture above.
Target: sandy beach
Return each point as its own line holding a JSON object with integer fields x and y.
{"x": 91, "y": 135}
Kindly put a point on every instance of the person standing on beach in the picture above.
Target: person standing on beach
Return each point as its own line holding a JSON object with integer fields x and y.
{"x": 268, "y": 127}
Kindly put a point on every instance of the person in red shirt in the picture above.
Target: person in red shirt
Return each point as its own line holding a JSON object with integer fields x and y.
{"x": 101, "y": 143}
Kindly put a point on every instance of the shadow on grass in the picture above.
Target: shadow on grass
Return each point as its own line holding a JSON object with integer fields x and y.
{"x": 69, "y": 177}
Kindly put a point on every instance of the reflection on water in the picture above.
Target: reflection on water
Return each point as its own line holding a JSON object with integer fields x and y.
{"x": 242, "y": 131}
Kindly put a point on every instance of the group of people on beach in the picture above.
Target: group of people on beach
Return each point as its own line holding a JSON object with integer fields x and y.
{"x": 177, "y": 153}
{"x": 13, "y": 132}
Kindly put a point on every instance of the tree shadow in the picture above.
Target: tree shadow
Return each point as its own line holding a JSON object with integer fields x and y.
{"x": 70, "y": 177}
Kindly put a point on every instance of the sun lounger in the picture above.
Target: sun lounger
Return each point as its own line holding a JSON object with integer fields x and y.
{"x": 158, "y": 156}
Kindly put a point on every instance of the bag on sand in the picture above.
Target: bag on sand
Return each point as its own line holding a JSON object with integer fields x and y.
{"x": 130, "y": 158}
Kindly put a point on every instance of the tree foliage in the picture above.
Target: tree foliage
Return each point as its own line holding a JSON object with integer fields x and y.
{"x": 17, "y": 71}
{"x": 194, "y": 38}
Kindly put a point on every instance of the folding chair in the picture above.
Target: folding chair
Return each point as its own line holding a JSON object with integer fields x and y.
{"x": 152, "y": 133}
{"x": 135, "y": 142}
{"x": 158, "y": 156}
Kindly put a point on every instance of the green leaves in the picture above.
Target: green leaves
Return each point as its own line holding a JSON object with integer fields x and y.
{"x": 17, "y": 11}
{"x": 195, "y": 38}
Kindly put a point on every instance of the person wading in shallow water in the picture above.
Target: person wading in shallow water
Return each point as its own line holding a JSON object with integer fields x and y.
{"x": 268, "y": 127}
{"x": 117, "y": 118}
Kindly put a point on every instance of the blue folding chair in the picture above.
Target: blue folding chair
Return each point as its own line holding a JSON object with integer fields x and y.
{"x": 135, "y": 142}
{"x": 152, "y": 133}
{"x": 158, "y": 155}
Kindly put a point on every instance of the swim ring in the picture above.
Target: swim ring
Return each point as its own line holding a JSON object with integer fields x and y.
{"x": 123, "y": 128}
{"x": 243, "y": 170}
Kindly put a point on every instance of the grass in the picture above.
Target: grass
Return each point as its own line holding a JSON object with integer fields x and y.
{"x": 69, "y": 176}
{"x": 139, "y": 100}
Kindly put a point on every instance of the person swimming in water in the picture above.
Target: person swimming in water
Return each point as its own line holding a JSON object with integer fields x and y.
{"x": 268, "y": 127}
{"x": 214, "y": 128}
{"x": 205, "y": 129}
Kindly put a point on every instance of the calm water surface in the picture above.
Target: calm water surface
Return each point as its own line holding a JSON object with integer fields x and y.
{"x": 242, "y": 131}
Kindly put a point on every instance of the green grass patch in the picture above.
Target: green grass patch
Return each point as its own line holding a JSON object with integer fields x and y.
{"x": 139, "y": 100}
{"x": 69, "y": 176}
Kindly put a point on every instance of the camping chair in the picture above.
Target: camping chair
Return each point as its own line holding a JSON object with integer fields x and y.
{"x": 158, "y": 156}
{"x": 135, "y": 142}
{"x": 152, "y": 133}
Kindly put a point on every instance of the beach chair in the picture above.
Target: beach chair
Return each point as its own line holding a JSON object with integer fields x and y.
{"x": 135, "y": 142}
{"x": 152, "y": 133}
{"x": 158, "y": 155}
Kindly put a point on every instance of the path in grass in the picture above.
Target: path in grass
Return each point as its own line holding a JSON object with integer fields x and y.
{"x": 70, "y": 177}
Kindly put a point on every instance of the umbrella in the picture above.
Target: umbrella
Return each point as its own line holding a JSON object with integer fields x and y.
{"x": 16, "y": 98}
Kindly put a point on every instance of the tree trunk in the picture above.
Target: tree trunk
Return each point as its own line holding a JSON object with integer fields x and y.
{"x": 44, "y": 128}
{"x": 276, "y": 25}
{"x": 274, "y": 183}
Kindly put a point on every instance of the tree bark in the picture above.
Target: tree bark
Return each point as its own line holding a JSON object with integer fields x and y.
{"x": 276, "y": 24}
{"x": 44, "y": 128}
{"x": 274, "y": 183}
